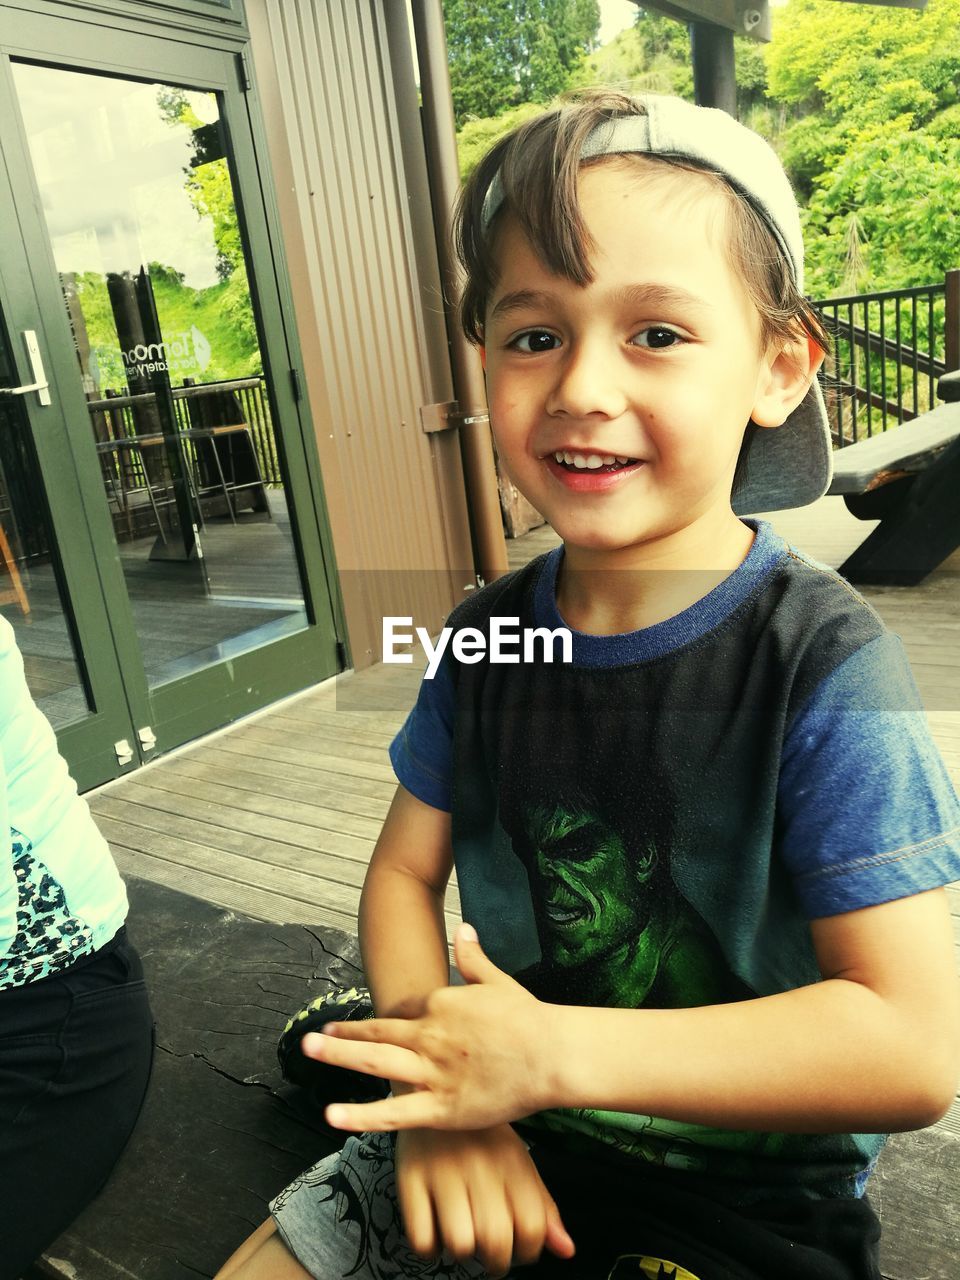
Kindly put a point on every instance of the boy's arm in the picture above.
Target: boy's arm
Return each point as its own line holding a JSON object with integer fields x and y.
{"x": 473, "y": 1193}
{"x": 403, "y": 940}
{"x": 873, "y": 1047}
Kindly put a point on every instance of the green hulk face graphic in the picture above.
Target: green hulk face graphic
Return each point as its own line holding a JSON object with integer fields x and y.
{"x": 612, "y": 926}
{"x": 591, "y": 897}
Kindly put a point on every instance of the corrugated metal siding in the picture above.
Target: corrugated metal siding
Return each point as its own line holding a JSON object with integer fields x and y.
{"x": 395, "y": 494}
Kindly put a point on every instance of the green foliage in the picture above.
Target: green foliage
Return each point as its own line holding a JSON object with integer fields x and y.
{"x": 627, "y": 63}
{"x": 903, "y": 189}
{"x": 222, "y": 313}
{"x": 506, "y": 52}
{"x": 871, "y": 138}
{"x": 477, "y": 136}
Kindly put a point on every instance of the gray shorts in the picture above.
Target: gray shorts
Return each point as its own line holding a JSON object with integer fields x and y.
{"x": 342, "y": 1219}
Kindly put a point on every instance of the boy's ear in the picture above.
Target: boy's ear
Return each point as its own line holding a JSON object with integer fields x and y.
{"x": 785, "y": 380}
{"x": 483, "y": 357}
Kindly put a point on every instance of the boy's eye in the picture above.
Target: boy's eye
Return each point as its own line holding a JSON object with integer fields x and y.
{"x": 657, "y": 338}
{"x": 535, "y": 341}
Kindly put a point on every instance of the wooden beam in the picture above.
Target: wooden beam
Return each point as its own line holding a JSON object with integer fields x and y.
{"x": 714, "y": 66}
{"x": 744, "y": 17}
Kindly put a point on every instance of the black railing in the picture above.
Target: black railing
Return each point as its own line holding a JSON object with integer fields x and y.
{"x": 889, "y": 349}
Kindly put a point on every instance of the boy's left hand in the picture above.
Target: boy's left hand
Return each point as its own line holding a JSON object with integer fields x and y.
{"x": 474, "y": 1058}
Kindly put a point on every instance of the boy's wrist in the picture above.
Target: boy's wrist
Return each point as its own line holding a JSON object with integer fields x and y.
{"x": 557, "y": 1061}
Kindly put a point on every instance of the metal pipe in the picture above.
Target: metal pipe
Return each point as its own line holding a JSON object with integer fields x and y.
{"x": 440, "y": 143}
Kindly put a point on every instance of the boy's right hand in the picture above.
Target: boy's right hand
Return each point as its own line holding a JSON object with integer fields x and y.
{"x": 476, "y": 1193}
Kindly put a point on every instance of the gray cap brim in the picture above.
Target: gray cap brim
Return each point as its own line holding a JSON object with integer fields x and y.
{"x": 788, "y": 466}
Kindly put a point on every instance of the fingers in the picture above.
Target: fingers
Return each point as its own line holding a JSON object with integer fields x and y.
{"x": 395, "y": 1031}
{"x": 471, "y": 959}
{"x": 537, "y": 1221}
{"x": 493, "y": 1212}
{"x": 529, "y": 1224}
{"x": 558, "y": 1240}
{"x": 417, "y": 1110}
{"x": 455, "y": 1220}
{"x": 387, "y": 1060}
{"x": 416, "y": 1208}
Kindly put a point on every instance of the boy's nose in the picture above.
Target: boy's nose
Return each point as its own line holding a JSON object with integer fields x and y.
{"x": 588, "y": 383}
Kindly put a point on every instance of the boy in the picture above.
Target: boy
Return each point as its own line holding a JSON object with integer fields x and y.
{"x": 710, "y": 850}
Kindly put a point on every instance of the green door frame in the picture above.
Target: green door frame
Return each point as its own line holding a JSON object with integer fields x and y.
{"x": 189, "y": 50}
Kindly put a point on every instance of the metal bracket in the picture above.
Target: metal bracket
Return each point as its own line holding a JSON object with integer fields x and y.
{"x": 447, "y": 417}
{"x": 148, "y": 739}
{"x": 124, "y": 751}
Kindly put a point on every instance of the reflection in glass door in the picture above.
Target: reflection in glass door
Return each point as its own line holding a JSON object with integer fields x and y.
{"x": 32, "y": 596}
{"x": 140, "y": 210}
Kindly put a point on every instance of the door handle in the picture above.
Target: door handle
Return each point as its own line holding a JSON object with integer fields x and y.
{"x": 40, "y": 384}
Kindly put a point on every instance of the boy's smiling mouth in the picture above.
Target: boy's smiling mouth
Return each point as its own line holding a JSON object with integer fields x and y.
{"x": 578, "y": 461}
{"x": 586, "y": 470}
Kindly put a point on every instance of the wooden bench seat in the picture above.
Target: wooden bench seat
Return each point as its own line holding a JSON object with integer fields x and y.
{"x": 221, "y": 1133}
{"x": 908, "y": 479}
{"x": 903, "y": 450}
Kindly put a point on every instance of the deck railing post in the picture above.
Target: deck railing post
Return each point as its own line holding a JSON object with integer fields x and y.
{"x": 951, "y": 322}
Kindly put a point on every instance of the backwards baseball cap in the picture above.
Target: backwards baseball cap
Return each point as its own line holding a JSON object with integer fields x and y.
{"x": 786, "y": 466}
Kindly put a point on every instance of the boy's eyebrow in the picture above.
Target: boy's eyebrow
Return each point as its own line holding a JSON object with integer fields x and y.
{"x": 634, "y": 295}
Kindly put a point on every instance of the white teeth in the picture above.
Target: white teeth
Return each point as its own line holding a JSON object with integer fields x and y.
{"x": 589, "y": 461}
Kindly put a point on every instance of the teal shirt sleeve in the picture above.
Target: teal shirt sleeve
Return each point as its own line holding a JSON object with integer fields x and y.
{"x": 61, "y": 895}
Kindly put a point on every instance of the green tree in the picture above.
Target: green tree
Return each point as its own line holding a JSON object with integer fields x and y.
{"x": 506, "y": 52}
{"x": 871, "y": 138}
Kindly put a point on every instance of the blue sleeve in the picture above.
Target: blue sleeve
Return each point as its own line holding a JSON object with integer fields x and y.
{"x": 867, "y": 811}
{"x": 422, "y": 752}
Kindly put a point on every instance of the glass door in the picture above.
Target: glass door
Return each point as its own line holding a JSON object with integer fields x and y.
{"x": 156, "y": 294}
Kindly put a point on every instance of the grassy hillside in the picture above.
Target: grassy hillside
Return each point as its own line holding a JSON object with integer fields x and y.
{"x": 191, "y": 321}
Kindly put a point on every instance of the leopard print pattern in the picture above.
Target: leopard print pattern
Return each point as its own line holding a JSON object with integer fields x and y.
{"x": 48, "y": 937}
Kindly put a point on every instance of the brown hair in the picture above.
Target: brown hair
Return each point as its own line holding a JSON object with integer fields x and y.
{"x": 537, "y": 166}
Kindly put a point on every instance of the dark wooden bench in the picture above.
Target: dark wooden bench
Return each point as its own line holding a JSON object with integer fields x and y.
{"x": 908, "y": 479}
{"x": 221, "y": 1133}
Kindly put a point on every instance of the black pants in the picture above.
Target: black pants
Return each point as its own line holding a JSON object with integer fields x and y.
{"x": 75, "y": 1056}
{"x": 660, "y": 1213}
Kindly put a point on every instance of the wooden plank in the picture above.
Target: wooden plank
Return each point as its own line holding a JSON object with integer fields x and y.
{"x": 261, "y": 869}
{"x": 254, "y": 824}
{"x": 180, "y": 775}
{"x": 281, "y": 756}
{"x": 261, "y": 904}
{"x": 279, "y": 778}
{"x": 323, "y": 752}
{"x": 310, "y": 890}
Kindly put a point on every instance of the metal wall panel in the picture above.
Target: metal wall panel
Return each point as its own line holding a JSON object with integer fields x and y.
{"x": 358, "y": 239}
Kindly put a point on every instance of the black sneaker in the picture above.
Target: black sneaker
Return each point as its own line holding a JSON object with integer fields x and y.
{"x": 326, "y": 1082}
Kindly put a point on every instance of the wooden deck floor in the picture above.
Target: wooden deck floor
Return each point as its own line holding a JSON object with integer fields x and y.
{"x": 277, "y": 816}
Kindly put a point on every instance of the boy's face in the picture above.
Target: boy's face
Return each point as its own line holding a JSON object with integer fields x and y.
{"x": 657, "y": 361}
